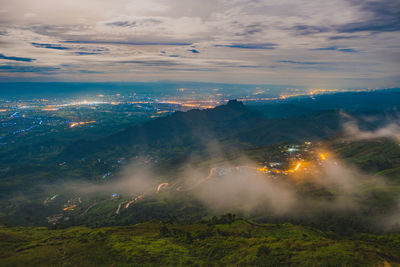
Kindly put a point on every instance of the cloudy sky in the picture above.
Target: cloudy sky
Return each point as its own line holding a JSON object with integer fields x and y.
{"x": 312, "y": 43}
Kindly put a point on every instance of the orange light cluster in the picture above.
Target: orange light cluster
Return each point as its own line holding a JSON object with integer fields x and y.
{"x": 49, "y": 109}
{"x": 323, "y": 156}
{"x": 70, "y": 208}
{"x": 319, "y": 91}
{"x": 258, "y": 99}
{"x": 297, "y": 166}
{"x": 203, "y": 104}
{"x": 291, "y": 95}
{"x": 207, "y": 106}
{"x": 161, "y": 186}
{"x": 265, "y": 169}
{"x": 74, "y": 124}
{"x": 190, "y": 105}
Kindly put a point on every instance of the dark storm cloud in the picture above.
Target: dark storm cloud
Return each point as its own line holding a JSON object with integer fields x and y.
{"x": 380, "y": 16}
{"x": 269, "y": 46}
{"x": 125, "y": 42}
{"x": 25, "y": 59}
{"x": 50, "y": 46}
{"x": 335, "y": 48}
{"x": 35, "y": 69}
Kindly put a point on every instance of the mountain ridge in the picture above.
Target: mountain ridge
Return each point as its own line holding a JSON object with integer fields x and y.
{"x": 233, "y": 123}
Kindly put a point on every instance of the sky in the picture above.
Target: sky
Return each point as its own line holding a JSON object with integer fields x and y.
{"x": 311, "y": 43}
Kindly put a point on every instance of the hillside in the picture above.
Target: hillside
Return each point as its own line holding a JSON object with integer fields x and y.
{"x": 221, "y": 241}
{"x": 232, "y": 124}
{"x": 374, "y": 100}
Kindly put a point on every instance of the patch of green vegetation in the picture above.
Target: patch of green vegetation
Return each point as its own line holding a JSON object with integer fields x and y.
{"x": 236, "y": 242}
{"x": 380, "y": 156}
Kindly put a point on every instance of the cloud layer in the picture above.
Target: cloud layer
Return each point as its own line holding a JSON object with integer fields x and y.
{"x": 97, "y": 38}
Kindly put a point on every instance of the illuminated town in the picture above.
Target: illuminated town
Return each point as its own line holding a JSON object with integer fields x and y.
{"x": 20, "y": 116}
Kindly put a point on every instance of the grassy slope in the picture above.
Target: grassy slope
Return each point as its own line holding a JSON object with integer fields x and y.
{"x": 204, "y": 244}
{"x": 379, "y": 156}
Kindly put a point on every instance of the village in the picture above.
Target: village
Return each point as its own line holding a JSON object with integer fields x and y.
{"x": 297, "y": 160}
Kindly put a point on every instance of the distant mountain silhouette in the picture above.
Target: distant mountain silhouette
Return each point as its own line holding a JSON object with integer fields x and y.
{"x": 230, "y": 124}
{"x": 387, "y": 99}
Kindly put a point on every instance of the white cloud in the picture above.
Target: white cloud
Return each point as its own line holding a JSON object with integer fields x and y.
{"x": 295, "y": 26}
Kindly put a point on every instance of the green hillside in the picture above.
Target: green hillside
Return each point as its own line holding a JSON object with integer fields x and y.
{"x": 224, "y": 241}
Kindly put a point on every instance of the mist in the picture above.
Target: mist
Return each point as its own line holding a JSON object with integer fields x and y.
{"x": 391, "y": 128}
{"x": 134, "y": 178}
{"x": 243, "y": 187}
{"x": 333, "y": 186}
{"x": 238, "y": 184}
